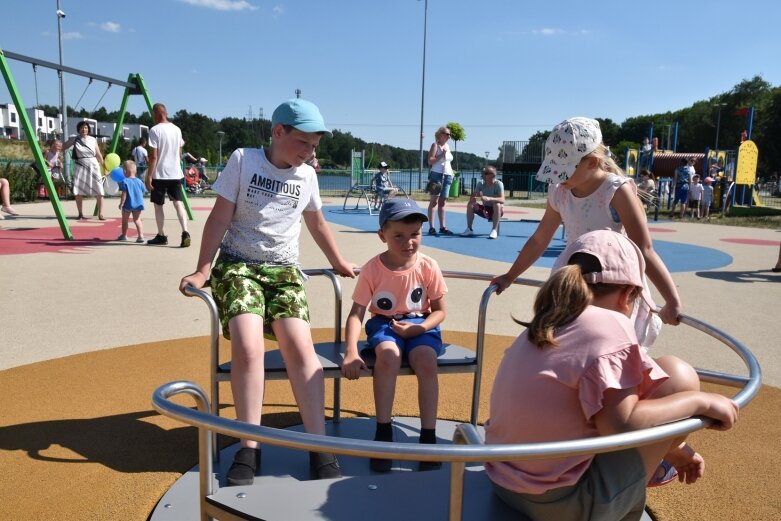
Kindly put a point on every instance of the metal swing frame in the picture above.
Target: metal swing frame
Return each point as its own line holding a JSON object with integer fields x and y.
{"x": 133, "y": 86}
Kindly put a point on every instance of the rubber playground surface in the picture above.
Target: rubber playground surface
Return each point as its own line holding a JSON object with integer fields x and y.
{"x": 92, "y": 326}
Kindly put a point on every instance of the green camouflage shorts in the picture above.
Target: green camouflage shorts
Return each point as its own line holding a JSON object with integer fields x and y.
{"x": 271, "y": 292}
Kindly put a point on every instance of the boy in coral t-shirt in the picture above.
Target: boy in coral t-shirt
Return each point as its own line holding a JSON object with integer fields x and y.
{"x": 404, "y": 291}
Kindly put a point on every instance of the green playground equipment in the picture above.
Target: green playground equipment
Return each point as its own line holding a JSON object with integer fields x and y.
{"x": 133, "y": 86}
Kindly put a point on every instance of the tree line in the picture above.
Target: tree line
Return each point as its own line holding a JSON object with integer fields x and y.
{"x": 696, "y": 131}
{"x": 697, "y": 125}
{"x": 202, "y": 140}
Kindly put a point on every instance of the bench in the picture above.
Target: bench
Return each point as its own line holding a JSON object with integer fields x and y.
{"x": 368, "y": 195}
{"x": 454, "y": 359}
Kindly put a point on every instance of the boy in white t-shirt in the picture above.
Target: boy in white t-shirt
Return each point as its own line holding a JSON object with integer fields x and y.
{"x": 695, "y": 196}
{"x": 707, "y": 197}
{"x": 262, "y": 196}
{"x": 404, "y": 290}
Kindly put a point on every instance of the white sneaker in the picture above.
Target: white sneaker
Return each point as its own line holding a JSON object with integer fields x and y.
{"x": 467, "y": 233}
{"x": 493, "y": 234}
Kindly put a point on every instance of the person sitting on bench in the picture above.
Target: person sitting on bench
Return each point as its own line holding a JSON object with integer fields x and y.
{"x": 487, "y": 201}
{"x": 383, "y": 186}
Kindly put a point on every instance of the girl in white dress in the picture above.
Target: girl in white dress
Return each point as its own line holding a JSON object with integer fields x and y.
{"x": 588, "y": 191}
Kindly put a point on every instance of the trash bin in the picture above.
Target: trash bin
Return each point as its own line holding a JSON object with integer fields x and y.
{"x": 454, "y": 187}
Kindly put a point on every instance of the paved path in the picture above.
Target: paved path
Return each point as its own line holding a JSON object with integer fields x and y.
{"x": 66, "y": 297}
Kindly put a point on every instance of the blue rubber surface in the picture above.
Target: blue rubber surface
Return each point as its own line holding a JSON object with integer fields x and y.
{"x": 678, "y": 257}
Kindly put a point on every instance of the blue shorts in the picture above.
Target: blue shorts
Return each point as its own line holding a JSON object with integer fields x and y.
{"x": 681, "y": 194}
{"x": 444, "y": 180}
{"x": 378, "y": 330}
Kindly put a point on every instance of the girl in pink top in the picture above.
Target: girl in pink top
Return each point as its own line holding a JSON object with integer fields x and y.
{"x": 578, "y": 372}
{"x": 589, "y": 192}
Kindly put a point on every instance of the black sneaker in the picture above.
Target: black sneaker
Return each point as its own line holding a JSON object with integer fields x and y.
{"x": 185, "y": 240}
{"x": 323, "y": 466}
{"x": 380, "y": 465}
{"x": 425, "y": 466}
{"x": 159, "y": 240}
{"x": 245, "y": 464}
{"x": 445, "y": 231}
{"x": 432, "y": 231}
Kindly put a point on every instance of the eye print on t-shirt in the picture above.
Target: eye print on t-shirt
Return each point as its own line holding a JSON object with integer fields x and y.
{"x": 414, "y": 299}
{"x": 390, "y": 302}
{"x": 384, "y": 300}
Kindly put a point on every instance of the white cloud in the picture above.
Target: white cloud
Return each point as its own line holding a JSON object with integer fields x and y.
{"x": 110, "y": 27}
{"x": 547, "y": 31}
{"x": 73, "y": 35}
{"x": 222, "y": 5}
{"x": 278, "y": 10}
{"x": 554, "y": 31}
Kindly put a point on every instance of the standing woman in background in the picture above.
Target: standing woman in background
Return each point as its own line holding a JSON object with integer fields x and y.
{"x": 87, "y": 179}
{"x": 440, "y": 171}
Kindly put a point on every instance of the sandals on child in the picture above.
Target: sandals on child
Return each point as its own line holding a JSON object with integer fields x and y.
{"x": 664, "y": 474}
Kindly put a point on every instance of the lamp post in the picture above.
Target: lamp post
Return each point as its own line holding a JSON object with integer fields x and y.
{"x": 63, "y": 108}
{"x": 423, "y": 89}
{"x": 718, "y": 123}
{"x": 221, "y": 134}
{"x": 486, "y": 157}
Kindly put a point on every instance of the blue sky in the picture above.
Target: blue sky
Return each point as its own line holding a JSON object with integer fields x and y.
{"x": 504, "y": 69}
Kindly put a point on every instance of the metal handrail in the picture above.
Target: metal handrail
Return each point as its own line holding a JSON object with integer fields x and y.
{"x": 479, "y": 345}
{"x": 458, "y": 454}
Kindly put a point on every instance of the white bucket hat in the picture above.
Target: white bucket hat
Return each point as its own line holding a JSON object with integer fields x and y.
{"x": 567, "y": 144}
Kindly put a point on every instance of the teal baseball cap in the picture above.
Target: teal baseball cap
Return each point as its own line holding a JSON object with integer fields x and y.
{"x": 300, "y": 114}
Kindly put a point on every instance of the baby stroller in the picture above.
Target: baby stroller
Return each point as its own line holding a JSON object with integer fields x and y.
{"x": 194, "y": 182}
{"x": 194, "y": 174}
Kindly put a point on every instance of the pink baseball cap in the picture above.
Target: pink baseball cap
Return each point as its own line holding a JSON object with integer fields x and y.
{"x": 621, "y": 260}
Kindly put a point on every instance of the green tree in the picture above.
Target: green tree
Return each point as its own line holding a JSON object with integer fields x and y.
{"x": 457, "y": 134}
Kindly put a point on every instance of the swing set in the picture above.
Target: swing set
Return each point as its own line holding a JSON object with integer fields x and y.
{"x": 133, "y": 86}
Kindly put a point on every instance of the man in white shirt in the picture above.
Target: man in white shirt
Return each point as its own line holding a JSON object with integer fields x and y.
{"x": 165, "y": 173}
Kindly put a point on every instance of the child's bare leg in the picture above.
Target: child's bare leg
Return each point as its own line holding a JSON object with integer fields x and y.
{"x": 689, "y": 464}
{"x": 423, "y": 361}
{"x": 303, "y": 370}
{"x": 682, "y": 377}
{"x": 247, "y": 370}
{"x": 386, "y": 369}
{"x": 138, "y": 223}
{"x": 125, "y": 219}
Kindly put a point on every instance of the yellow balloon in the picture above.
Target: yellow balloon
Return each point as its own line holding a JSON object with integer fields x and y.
{"x": 112, "y": 161}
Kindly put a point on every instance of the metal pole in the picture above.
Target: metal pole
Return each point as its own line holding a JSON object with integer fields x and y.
{"x": 718, "y": 124}
{"x": 221, "y": 134}
{"x": 63, "y": 108}
{"x": 423, "y": 90}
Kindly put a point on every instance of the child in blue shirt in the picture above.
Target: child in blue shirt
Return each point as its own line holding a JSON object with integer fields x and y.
{"x": 131, "y": 202}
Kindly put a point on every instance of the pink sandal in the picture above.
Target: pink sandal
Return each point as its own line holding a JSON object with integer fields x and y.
{"x": 664, "y": 474}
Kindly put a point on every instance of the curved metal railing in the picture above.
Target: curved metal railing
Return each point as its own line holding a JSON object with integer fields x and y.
{"x": 468, "y": 446}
